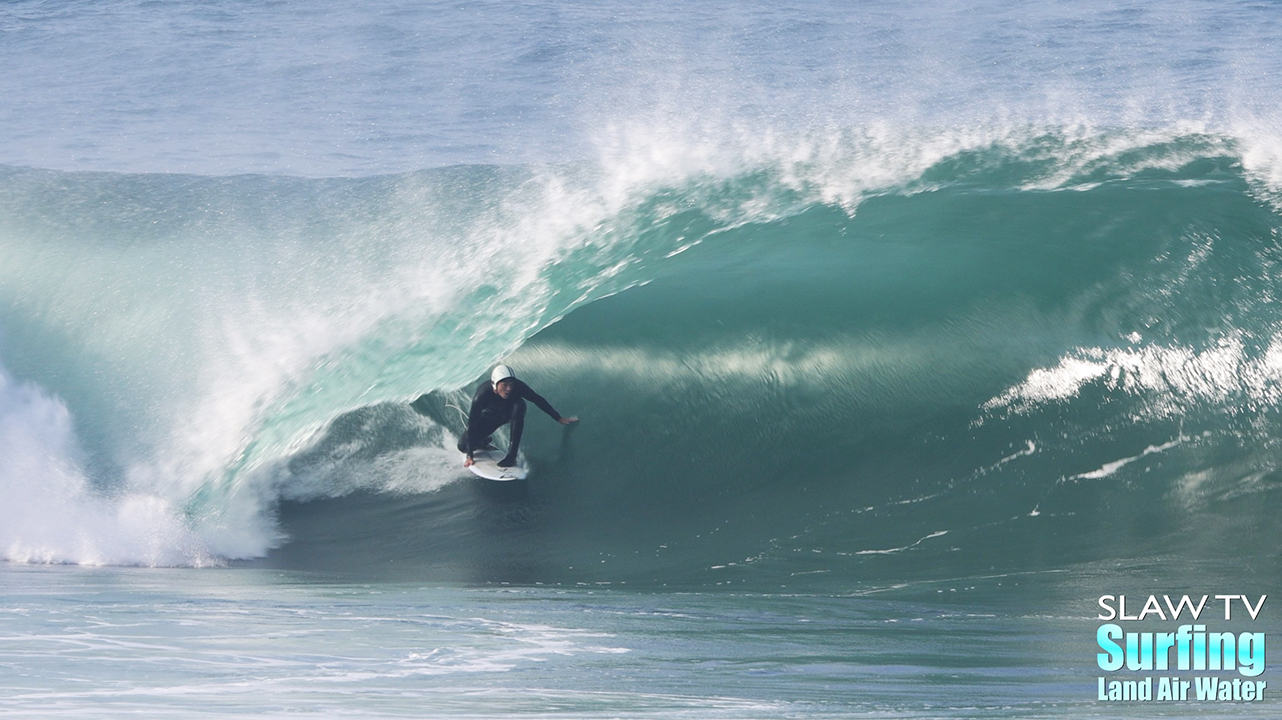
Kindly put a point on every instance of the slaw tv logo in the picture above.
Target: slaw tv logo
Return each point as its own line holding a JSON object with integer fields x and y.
{"x": 1224, "y": 664}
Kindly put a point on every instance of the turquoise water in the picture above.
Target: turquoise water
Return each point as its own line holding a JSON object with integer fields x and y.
{"x": 899, "y": 336}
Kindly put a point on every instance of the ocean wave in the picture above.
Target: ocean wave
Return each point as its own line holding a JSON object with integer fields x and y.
{"x": 919, "y": 305}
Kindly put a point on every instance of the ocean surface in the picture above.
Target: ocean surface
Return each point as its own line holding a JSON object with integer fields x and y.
{"x": 899, "y": 334}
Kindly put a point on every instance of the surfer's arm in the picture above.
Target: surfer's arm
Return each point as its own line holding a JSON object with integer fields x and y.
{"x": 543, "y": 404}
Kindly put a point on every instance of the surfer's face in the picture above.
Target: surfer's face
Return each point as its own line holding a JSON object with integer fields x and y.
{"x": 503, "y": 388}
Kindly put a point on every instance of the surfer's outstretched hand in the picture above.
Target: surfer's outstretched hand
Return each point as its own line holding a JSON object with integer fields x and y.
{"x": 568, "y": 420}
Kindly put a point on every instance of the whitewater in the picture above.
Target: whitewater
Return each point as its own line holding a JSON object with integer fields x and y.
{"x": 893, "y": 331}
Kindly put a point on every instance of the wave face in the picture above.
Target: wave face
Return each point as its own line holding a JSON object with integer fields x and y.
{"x": 863, "y": 354}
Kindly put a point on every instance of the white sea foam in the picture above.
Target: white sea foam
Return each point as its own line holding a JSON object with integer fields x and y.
{"x": 1110, "y": 468}
{"x": 891, "y": 551}
{"x": 1167, "y": 377}
{"x": 50, "y": 514}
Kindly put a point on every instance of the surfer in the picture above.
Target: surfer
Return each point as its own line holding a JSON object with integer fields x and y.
{"x": 498, "y": 401}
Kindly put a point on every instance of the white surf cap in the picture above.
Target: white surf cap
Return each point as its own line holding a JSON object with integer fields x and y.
{"x": 501, "y": 372}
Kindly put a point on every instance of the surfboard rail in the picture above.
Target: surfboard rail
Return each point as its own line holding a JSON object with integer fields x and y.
{"x": 486, "y": 465}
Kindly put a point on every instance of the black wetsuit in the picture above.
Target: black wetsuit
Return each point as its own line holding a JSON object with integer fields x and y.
{"x": 490, "y": 412}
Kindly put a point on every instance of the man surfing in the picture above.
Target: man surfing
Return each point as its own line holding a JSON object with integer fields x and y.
{"x": 497, "y": 402}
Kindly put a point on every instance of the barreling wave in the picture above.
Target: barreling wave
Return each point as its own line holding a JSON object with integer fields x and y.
{"x": 840, "y": 356}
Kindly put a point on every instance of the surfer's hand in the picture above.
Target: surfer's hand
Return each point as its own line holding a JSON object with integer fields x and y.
{"x": 467, "y": 461}
{"x": 568, "y": 420}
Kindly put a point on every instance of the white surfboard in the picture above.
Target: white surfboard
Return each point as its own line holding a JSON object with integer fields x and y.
{"x": 486, "y": 465}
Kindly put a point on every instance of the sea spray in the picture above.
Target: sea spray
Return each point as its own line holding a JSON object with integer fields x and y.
{"x": 50, "y": 513}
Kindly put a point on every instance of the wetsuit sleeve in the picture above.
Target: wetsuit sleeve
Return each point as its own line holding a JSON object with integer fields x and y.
{"x": 528, "y": 393}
